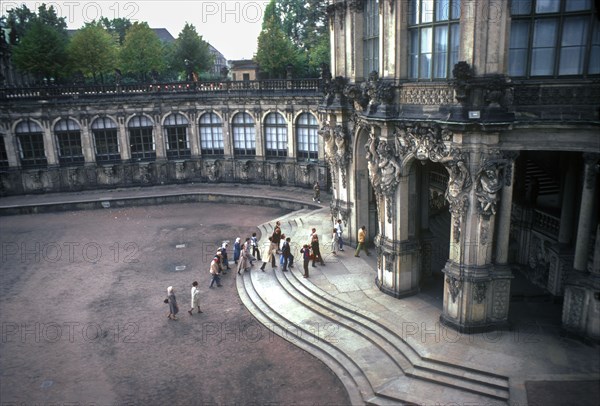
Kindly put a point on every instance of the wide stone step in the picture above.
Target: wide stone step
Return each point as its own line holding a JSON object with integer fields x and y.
{"x": 371, "y": 364}
{"x": 408, "y": 360}
{"x": 350, "y": 376}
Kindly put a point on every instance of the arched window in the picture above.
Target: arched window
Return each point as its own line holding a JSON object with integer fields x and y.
{"x": 211, "y": 134}
{"x": 244, "y": 135}
{"x": 178, "y": 144}
{"x": 68, "y": 142}
{"x": 275, "y": 135}
{"x": 106, "y": 140}
{"x": 30, "y": 138}
{"x": 553, "y": 38}
{"x": 307, "y": 137}
{"x": 434, "y": 30}
{"x": 141, "y": 139}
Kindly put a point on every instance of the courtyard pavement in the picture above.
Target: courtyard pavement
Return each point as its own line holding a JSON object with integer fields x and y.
{"x": 543, "y": 367}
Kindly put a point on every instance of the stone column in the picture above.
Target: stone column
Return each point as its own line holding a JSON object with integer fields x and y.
{"x": 504, "y": 215}
{"x": 581, "y": 306}
{"x": 476, "y": 291}
{"x": 87, "y": 143}
{"x": 10, "y": 143}
{"x": 586, "y": 212}
{"x": 124, "y": 145}
{"x": 194, "y": 139}
{"x": 159, "y": 139}
{"x": 49, "y": 144}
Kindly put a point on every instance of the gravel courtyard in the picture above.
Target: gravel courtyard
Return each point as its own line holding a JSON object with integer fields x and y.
{"x": 83, "y": 318}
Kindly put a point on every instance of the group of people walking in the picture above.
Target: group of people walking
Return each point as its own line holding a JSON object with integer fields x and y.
{"x": 245, "y": 253}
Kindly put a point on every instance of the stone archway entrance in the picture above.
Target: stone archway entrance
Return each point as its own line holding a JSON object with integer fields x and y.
{"x": 399, "y": 157}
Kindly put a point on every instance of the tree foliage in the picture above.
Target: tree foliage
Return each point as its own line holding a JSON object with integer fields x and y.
{"x": 142, "y": 52}
{"x": 191, "y": 47}
{"x": 40, "y": 42}
{"x": 118, "y": 26}
{"x": 93, "y": 51}
{"x": 304, "y": 24}
{"x": 275, "y": 51}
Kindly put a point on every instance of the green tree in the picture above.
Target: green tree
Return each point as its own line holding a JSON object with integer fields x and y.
{"x": 304, "y": 22}
{"x": 275, "y": 51}
{"x": 17, "y": 21}
{"x": 118, "y": 26}
{"x": 41, "y": 52}
{"x": 39, "y": 41}
{"x": 189, "y": 46}
{"x": 142, "y": 52}
{"x": 93, "y": 51}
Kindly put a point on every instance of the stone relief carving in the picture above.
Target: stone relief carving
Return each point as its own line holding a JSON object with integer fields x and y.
{"x": 575, "y": 308}
{"x": 462, "y": 73}
{"x": 337, "y": 152}
{"x": 369, "y": 95}
{"x": 342, "y": 152}
{"x": 277, "y": 173}
{"x": 306, "y": 173}
{"x": 384, "y": 169}
{"x": 454, "y": 287}
{"x": 214, "y": 170}
{"x": 479, "y": 291}
{"x": 489, "y": 181}
{"x": 389, "y": 261}
{"x": 334, "y": 90}
{"x": 459, "y": 183}
{"x": 247, "y": 170}
{"x": 501, "y": 296}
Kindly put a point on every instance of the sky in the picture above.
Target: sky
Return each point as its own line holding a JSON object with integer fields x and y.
{"x": 231, "y": 26}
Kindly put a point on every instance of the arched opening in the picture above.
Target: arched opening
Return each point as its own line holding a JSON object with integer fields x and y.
{"x": 434, "y": 222}
{"x": 364, "y": 194}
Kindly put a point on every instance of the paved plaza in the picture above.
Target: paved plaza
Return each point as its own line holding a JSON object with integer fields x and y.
{"x": 83, "y": 319}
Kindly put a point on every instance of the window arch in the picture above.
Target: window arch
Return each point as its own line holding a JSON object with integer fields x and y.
{"x": 141, "y": 139}
{"x": 178, "y": 144}
{"x": 275, "y": 135}
{"x": 211, "y": 134}
{"x": 106, "y": 140}
{"x": 68, "y": 142}
{"x": 434, "y": 38}
{"x": 307, "y": 136}
{"x": 30, "y": 139}
{"x": 244, "y": 135}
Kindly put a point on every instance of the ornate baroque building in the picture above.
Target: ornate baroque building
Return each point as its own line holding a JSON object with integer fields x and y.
{"x": 74, "y": 138}
{"x": 481, "y": 117}
{"x": 463, "y": 134}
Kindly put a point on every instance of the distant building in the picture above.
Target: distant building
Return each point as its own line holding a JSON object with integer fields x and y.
{"x": 219, "y": 62}
{"x": 244, "y": 70}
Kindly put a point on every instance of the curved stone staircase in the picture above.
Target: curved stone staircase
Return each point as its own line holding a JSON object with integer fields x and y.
{"x": 366, "y": 351}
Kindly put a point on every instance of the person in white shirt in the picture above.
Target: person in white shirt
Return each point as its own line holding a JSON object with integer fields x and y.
{"x": 340, "y": 230}
{"x": 195, "y": 298}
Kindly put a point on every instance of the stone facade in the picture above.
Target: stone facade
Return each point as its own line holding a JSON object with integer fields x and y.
{"x": 408, "y": 131}
{"x": 188, "y": 160}
{"x": 452, "y": 103}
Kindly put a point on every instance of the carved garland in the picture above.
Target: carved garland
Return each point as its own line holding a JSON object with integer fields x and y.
{"x": 479, "y": 291}
{"x": 337, "y": 152}
{"x": 454, "y": 287}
